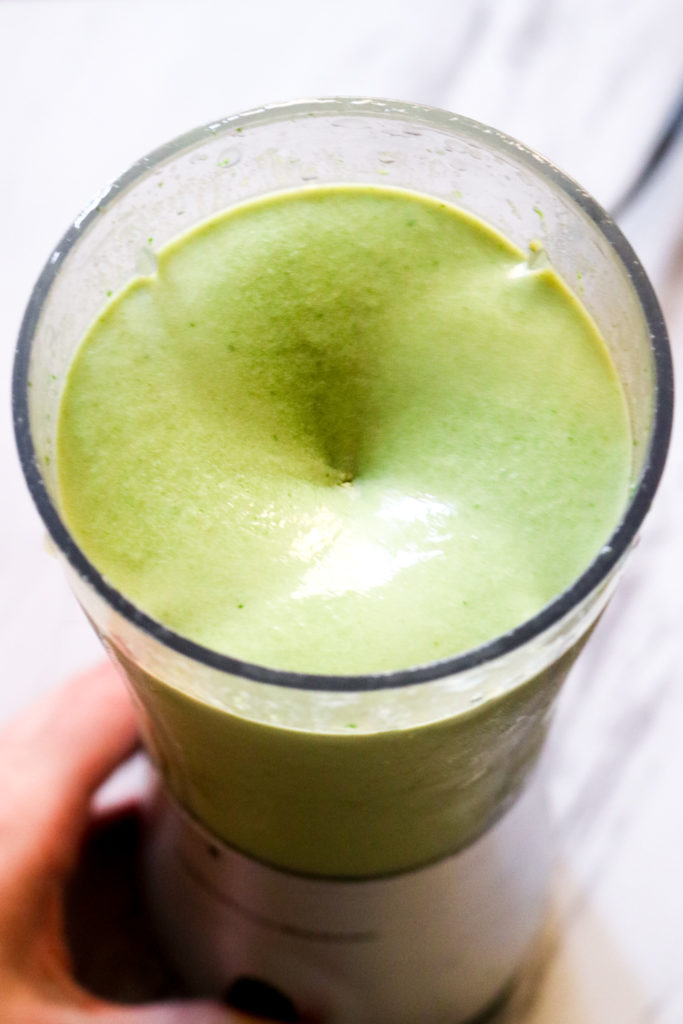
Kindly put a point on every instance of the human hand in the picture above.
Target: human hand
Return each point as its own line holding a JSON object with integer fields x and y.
{"x": 52, "y": 759}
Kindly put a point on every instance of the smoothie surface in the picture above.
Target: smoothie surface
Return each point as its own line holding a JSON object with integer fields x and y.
{"x": 343, "y": 430}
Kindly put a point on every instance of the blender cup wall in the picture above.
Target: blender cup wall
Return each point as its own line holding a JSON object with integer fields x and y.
{"x": 443, "y": 755}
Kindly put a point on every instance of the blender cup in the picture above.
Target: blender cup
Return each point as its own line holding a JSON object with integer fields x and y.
{"x": 395, "y": 871}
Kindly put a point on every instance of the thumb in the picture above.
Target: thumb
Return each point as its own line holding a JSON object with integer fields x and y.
{"x": 52, "y": 758}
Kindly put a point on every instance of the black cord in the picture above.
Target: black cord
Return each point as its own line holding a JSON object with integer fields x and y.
{"x": 666, "y": 140}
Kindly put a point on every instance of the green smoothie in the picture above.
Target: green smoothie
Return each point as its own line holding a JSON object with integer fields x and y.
{"x": 344, "y": 429}
{"x": 338, "y": 431}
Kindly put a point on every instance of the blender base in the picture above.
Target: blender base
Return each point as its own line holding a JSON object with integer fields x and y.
{"x": 438, "y": 945}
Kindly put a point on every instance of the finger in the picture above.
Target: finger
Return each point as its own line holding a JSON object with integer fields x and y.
{"x": 52, "y": 758}
{"x": 89, "y": 1011}
{"x": 185, "y": 1012}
